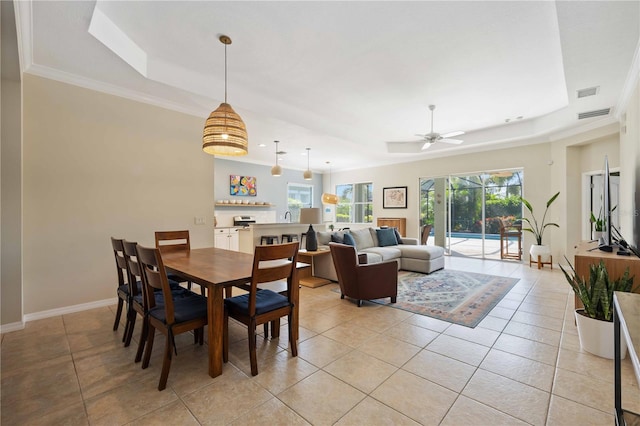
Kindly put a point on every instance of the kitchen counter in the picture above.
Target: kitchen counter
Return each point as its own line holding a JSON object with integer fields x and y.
{"x": 250, "y": 237}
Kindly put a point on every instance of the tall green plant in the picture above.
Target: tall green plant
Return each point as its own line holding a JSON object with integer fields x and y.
{"x": 596, "y": 294}
{"x": 537, "y": 229}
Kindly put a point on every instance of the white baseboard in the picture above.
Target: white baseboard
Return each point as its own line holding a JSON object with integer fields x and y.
{"x": 69, "y": 309}
{"x": 14, "y": 326}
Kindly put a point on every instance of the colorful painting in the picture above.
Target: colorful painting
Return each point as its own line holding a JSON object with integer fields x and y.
{"x": 243, "y": 186}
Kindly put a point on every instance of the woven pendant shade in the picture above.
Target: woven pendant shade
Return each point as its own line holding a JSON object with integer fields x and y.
{"x": 329, "y": 198}
{"x": 225, "y": 133}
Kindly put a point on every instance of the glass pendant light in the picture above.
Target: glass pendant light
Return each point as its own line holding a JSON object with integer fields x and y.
{"x": 276, "y": 170}
{"x": 307, "y": 173}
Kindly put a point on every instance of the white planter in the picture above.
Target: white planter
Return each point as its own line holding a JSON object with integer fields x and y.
{"x": 596, "y": 336}
{"x": 543, "y": 251}
{"x": 597, "y": 235}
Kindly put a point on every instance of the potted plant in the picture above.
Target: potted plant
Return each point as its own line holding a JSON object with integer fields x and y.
{"x": 537, "y": 229}
{"x": 595, "y": 319}
{"x": 598, "y": 225}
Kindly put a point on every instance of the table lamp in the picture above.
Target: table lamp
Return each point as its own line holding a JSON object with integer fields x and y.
{"x": 311, "y": 215}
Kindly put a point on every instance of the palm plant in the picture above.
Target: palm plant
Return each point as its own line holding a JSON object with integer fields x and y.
{"x": 596, "y": 294}
{"x": 537, "y": 229}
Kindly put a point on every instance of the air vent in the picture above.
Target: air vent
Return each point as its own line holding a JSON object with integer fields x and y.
{"x": 596, "y": 113}
{"x": 583, "y": 93}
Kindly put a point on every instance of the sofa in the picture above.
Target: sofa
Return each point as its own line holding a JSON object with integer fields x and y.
{"x": 404, "y": 251}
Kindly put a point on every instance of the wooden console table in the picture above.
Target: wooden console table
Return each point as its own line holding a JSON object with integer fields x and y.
{"x": 394, "y": 222}
{"x": 307, "y": 276}
{"x": 587, "y": 253}
{"x": 626, "y": 321}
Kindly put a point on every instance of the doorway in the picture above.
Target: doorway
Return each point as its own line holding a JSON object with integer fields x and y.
{"x": 466, "y": 211}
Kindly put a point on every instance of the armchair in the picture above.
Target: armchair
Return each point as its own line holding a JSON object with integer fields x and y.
{"x": 363, "y": 282}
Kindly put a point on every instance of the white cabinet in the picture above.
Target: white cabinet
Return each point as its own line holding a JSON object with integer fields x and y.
{"x": 227, "y": 238}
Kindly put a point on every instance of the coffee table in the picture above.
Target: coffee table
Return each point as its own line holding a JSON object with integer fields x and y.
{"x": 307, "y": 276}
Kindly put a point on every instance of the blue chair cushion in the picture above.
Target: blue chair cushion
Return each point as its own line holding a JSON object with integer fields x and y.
{"x": 124, "y": 289}
{"x": 176, "y": 293}
{"x": 184, "y": 309}
{"x": 266, "y": 301}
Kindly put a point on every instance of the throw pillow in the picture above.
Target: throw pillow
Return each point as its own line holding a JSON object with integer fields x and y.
{"x": 348, "y": 240}
{"x": 335, "y": 238}
{"x": 323, "y": 238}
{"x": 386, "y": 237}
{"x": 363, "y": 238}
{"x": 398, "y": 237}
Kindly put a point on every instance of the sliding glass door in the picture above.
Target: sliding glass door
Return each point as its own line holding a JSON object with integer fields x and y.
{"x": 465, "y": 212}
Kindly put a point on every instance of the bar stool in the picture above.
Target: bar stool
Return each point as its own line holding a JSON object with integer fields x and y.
{"x": 289, "y": 238}
{"x": 269, "y": 239}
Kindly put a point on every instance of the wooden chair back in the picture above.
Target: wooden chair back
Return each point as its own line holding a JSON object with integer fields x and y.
{"x": 154, "y": 278}
{"x": 273, "y": 263}
{"x": 426, "y": 230}
{"x": 171, "y": 241}
{"x": 121, "y": 263}
{"x": 133, "y": 268}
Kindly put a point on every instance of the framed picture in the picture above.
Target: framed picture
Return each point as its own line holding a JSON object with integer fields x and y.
{"x": 243, "y": 185}
{"x": 394, "y": 197}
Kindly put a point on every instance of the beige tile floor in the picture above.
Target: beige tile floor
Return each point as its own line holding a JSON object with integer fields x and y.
{"x": 369, "y": 365}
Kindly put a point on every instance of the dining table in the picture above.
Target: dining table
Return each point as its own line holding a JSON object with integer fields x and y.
{"x": 218, "y": 269}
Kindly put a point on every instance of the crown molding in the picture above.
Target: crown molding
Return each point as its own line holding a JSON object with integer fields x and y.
{"x": 633, "y": 78}
{"x": 110, "y": 89}
{"x": 24, "y": 33}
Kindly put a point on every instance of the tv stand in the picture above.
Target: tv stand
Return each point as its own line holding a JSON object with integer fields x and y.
{"x": 616, "y": 265}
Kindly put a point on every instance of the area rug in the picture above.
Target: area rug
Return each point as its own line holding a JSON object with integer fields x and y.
{"x": 459, "y": 297}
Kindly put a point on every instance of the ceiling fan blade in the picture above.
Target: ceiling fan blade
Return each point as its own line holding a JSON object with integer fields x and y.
{"x": 426, "y": 145}
{"x": 452, "y": 134}
{"x": 451, "y": 141}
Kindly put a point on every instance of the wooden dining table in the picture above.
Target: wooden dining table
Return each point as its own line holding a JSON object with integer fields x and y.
{"x": 217, "y": 269}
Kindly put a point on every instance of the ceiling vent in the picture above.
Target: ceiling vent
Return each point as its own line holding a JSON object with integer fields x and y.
{"x": 596, "y": 113}
{"x": 591, "y": 91}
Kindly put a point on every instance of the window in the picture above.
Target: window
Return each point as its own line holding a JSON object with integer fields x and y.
{"x": 298, "y": 195}
{"x": 355, "y": 203}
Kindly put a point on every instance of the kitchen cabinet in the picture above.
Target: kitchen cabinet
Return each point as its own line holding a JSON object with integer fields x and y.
{"x": 227, "y": 238}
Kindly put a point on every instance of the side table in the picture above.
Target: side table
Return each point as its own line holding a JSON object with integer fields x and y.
{"x": 306, "y": 276}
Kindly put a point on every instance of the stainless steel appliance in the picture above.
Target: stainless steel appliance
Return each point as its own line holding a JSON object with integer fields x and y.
{"x": 243, "y": 220}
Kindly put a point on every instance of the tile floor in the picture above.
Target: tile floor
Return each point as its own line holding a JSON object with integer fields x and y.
{"x": 369, "y": 365}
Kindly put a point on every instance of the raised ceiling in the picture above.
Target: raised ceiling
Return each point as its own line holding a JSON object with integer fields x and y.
{"x": 344, "y": 78}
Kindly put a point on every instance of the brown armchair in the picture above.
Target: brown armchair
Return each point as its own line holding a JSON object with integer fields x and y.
{"x": 363, "y": 282}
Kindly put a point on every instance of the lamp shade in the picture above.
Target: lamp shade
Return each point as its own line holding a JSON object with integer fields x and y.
{"x": 311, "y": 215}
{"x": 329, "y": 198}
{"x": 276, "y": 170}
{"x": 307, "y": 175}
{"x": 225, "y": 133}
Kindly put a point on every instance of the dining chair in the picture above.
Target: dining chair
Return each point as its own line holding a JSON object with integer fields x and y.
{"x": 260, "y": 306}
{"x": 123, "y": 290}
{"x": 363, "y": 281}
{"x": 175, "y": 316}
{"x": 172, "y": 241}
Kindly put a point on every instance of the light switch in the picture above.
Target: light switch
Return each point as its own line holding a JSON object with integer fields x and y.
{"x": 198, "y": 220}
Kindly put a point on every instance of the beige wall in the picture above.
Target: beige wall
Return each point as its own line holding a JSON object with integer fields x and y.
{"x": 630, "y": 166}
{"x": 11, "y": 204}
{"x": 97, "y": 166}
{"x": 548, "y": 168}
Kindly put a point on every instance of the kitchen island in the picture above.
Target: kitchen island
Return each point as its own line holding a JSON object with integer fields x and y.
{"x": 250, "y": 235}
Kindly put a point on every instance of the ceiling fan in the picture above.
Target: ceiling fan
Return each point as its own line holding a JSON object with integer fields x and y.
{"x": 427, "y": 140}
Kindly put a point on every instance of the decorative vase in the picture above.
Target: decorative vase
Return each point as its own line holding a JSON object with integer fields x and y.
{"x": 543, "y": 251}
{"x": 311, "y": 240}
{"x": 596, "y": 336}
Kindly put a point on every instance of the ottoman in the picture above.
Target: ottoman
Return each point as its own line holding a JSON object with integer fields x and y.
{"x": 425, "y": 259}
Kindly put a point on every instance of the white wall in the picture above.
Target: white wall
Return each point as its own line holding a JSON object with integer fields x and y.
{"x": 97, "y": 166}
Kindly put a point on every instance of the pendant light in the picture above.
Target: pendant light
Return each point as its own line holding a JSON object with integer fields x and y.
{"x": 276, "y": 170}
{"x": 224, "y": 131}
{"x": 307, "y": 173}
{"x": 327, "y": 197}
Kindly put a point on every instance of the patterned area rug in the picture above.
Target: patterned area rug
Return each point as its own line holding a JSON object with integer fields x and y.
{"x": 459, "y": 297}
